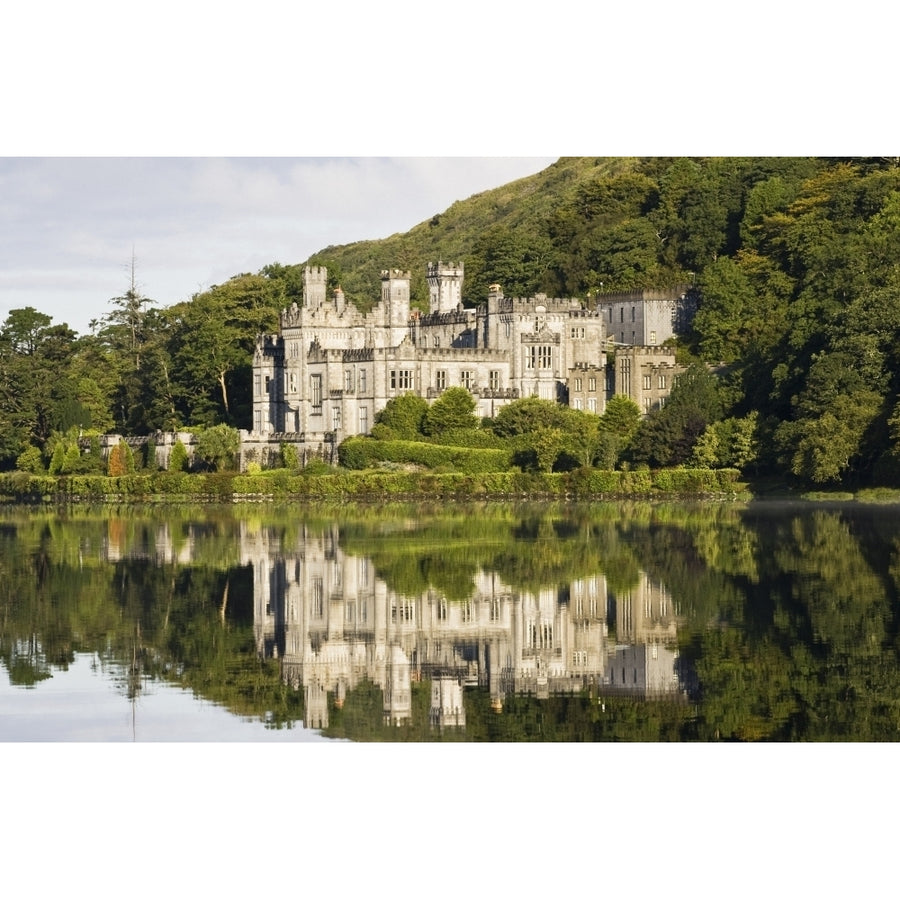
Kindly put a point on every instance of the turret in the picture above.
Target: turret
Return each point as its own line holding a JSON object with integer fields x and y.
{"x": 315, "y": 279}
{"x": 395, "y": 297}
{"x": 444, "y": 286}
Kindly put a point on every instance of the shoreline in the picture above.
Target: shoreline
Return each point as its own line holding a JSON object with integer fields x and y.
{"x": 595, "y": 485}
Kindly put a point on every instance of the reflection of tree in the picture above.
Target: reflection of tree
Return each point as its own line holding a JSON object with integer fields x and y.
{"x": 788, "y": 617}
{"x": 806, "y": 650}
{"x": 70, "y": 589}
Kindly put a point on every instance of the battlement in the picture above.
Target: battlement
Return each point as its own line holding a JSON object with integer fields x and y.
{"x": 315, "y": 274}
{"x": 270, "y": 345}
{"x": 664, "y": 356}
{"x": 453, "y": 317}
{"x": 677, "y": 292}
{"x": 501, "y": 304}
{"x": 366, "y": 354}
{"x": 463, "y": 354}
{"x": 388, "y": 274}
{"x": 436, "y": 270}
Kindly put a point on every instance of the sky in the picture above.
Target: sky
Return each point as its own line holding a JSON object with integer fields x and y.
{"x": 70, "y": 226}
{"x": 206, "y": 141}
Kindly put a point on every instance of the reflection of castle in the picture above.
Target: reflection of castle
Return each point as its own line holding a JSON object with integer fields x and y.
{"x": 641, "y": 661}
{"x": 334, "y": 624}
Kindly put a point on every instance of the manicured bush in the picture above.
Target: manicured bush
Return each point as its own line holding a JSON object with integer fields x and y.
{"x": 31, "y": 461}
{"x": 289, "y": 458}
{"x": 121, "y": 460}
{"x": 178, "y": 458}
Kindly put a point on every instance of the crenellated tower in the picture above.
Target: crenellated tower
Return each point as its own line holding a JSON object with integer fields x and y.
{"x": 315, "y": 279}
{"x": 444, "y": 286}
{"x": 395, "y": 297}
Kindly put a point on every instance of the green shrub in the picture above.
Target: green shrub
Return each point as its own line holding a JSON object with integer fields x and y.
{"x": 150, "y": 456}
{"x": 58, "y": 459}
{"x": 178, "y": 458}
{"x": 31, "y": 461}
{"x": 289, "y": 458}
{"x": 470, "y": 437}
{"x": 218, "y": 447}
{"x": 366, "y": 453}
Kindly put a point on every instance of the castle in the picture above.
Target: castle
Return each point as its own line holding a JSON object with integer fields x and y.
{"x": 331, "y": 368}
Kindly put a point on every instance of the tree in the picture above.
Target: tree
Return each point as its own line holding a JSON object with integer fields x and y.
{"x": 527, "y": 415}
{"x": 725, "y": 312}
{"x": 833, "y": 416}
{"x": 178, "y": 457}
{"x": 667, "y": 436}
{"x": 121, "y": 460}
{"x": 30, "y": 460}
{"x": 126, "y": 321}
{"x": 218, "y": 445}
{"x": 401, "y": 418}
{"x": 515, "y": 258}
{"x": 25, "y": 329}
{"x": 730, "y": 443}
{"x": 616, "y": 428}
{"x": 547, "y": 444}
{"x": 454, "y": 410}
{"x": 212, "y": 343}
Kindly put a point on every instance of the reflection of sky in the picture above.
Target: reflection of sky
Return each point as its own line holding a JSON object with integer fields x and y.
{"x": 86, "y": 704}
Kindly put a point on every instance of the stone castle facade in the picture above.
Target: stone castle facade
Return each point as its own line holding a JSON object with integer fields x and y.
{"x": 331, "y": 369}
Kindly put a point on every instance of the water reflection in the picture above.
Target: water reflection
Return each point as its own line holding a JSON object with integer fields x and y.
{"x": 604, "y": 622}
{"x": 335, "y": 623}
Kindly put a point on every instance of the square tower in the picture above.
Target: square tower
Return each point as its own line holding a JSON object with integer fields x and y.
{"x": 444, "y": 286}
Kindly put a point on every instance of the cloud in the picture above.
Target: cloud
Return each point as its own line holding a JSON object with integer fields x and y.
{"x": 69, "y": 225}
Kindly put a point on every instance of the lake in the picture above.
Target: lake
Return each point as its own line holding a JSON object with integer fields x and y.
{"x": 637, "y": 622}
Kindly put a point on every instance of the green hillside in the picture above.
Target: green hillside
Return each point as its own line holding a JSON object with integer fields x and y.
{"x": 500, "y": 235}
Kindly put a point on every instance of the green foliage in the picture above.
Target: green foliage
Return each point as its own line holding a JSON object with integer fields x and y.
{"x": 211, "y": 347}
{"x": 454, "y": 410}
{"x": 668, "y": 435}
{"x": 515, "y": 258}
{"x": 616, "y": 428}
{"x": 365, "y": 453}
{"x": 289, "y": 458}
{"x": 58, "y": 459}
{"x": 149, "y": 456}
{"x": 527, "y": 415}
{"x": 178, "y": 457}
{"x": 469, "y": 437}
{"x": 401, "y": 419}
{"x": 31, "y": 461}
{"x": 218, "y": 447}
{"x": 730, "y": 443}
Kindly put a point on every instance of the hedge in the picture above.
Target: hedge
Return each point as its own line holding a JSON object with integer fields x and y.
{"x": 343, "y": 484}
{"x": 366, "y": 453}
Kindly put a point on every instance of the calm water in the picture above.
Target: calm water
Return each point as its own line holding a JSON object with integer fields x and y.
{"x": 608, "y": 622}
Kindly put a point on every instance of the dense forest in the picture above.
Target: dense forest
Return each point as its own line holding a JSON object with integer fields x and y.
{"x": 796, "y": 260}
